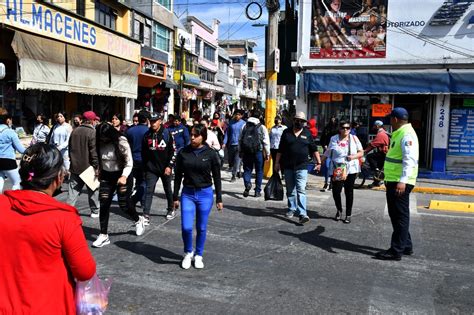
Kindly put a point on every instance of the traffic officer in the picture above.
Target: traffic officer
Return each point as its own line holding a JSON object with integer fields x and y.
{"x": 401, "y": 171}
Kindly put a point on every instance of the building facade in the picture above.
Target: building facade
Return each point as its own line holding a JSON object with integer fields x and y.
{"x": 67, "y": 56}
{"x": 357, "y": 60}
{"x": 152, "y": 24}
{"x": 245, "y": 70}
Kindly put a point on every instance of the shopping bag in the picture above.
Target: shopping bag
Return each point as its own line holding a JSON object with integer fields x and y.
{"x": 92, "y": 296}
{"x": 274, "y": 188}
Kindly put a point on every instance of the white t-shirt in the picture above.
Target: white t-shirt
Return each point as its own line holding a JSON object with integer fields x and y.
{"x": 338, "y": 151}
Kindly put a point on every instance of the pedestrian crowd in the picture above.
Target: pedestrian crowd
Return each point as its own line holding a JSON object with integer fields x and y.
{"x": 124, "y": 163}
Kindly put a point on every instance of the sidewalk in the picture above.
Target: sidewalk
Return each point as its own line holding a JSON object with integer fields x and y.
{"x": 423, "y": 185}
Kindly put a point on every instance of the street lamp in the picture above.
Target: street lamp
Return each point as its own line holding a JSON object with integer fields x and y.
{"x": 182, "y": 40}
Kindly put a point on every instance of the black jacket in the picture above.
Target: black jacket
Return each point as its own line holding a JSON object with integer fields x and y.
{"x": 158, "y": 151}
{"x": 198, "y": 170}
{"x": 296, "y": 152}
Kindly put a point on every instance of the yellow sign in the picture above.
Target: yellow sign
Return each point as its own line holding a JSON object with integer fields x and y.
{"x": 42, "y": 20}
{"x": 337, "y": 97}
{"x": 381, "y": 110}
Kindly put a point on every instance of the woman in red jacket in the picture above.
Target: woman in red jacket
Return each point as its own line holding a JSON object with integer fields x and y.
{"x": 43, "y": 245}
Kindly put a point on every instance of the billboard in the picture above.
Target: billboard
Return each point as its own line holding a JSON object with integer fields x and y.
{"x": 387, "y": 32}
{"x": 348, "y": 29}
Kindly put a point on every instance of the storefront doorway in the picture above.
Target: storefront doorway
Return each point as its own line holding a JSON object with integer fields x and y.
{"x": 419, "y": 108}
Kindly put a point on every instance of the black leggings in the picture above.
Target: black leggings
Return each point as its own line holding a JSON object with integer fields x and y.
{"x": 108, "y": 185}
{"x": 348, "y": 185}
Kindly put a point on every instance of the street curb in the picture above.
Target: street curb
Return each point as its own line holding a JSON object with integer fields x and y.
{"x": 438, "y": 191}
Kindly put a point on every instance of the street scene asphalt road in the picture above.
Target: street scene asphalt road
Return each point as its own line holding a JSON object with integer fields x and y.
{"x": 258, "y": 261}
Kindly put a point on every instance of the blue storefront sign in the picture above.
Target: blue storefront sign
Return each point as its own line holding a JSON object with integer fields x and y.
{"x": 461, "y": 134}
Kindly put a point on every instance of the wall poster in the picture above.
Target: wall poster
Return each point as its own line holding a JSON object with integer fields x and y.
{"x": 348, "y": 29}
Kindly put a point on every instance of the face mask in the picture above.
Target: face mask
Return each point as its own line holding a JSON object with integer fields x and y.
{"x": 298, "y": 125}
{"x": 76, "y": 123}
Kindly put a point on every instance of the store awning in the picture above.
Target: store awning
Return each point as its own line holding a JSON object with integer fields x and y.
{"x": 191, "y": 79}
{"x": 42, "y": 62}
{"x": 391, "y": 82}
{"x": 51, "y": 65}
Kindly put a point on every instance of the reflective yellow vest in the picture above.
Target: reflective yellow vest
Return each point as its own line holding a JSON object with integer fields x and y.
{"x": 393, "y": 166}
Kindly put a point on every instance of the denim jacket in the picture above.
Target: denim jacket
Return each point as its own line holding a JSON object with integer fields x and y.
{"x": 9, "y": 142}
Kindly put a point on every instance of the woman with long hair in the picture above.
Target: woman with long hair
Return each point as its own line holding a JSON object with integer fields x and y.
{"x": 344, "y": 151}
{"x": 117, "y": 122}
{"x": 59, "y": 137}
{"x": 115, "y": 167}
{"x": 9, "y": 142}
{"x": 42, "y": 241}
{"x": 41, "y": 129}
{"x": 200, "y": 167}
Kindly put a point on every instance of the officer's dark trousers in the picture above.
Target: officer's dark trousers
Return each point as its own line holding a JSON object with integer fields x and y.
{"x": 399, "y": 212}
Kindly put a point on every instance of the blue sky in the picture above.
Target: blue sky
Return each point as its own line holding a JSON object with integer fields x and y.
{"x": 234, "y": 23}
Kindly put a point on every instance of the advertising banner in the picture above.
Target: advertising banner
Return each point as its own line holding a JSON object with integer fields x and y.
{"x": 42, "y": 20}
{"x": 387, "y": 32}
{"x": 348, "y": 29}
{"x": 461, "y": 135}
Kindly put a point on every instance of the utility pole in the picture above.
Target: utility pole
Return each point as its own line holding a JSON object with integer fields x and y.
{"x": 271, "y": 70}
{"x": 181, "y": 75}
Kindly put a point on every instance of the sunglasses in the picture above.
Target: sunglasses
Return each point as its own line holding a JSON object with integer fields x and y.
{"x": 345, "y": 128}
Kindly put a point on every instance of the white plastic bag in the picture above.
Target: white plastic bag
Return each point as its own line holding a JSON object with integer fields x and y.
{"x": 92, "y": 296}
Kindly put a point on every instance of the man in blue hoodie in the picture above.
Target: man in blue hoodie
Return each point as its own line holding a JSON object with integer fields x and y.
{"x": 135, "y": 137}
{"x": 179, "y": 132}
{"x": 231, "y": 141}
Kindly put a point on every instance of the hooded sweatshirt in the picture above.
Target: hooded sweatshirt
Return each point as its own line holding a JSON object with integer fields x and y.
{"x": 43, "y": 250}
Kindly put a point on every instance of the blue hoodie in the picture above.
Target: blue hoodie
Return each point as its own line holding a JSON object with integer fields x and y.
{"x": 135, "y": 137}
{"x": 9, "y": 142}
{"x": 180, "y": 135}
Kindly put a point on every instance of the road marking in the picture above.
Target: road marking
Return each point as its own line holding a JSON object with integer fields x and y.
{"x": 452, "y": 206}
{"x": 447, "y": 215}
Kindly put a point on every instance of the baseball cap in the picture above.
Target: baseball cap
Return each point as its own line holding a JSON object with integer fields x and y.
{"x": 89, "y": 115}
{"x": 400, "y": 113}
{"x": 155, "y": 116}
{"x": 378, "y": 123}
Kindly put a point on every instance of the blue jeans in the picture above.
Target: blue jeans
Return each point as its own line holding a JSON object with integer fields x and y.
{"x": 249, "y": 161}
{"x": 195, "y": 201}
{"x": 296, "y": 190}
{"x": 325, "y": 170}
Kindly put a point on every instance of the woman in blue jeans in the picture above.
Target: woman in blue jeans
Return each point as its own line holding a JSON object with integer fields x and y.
{"x": 199, "y": 165}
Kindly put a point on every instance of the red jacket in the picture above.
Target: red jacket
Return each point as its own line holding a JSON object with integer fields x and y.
{"x": 312, "y": 127}
{"x": 43, "y": 249}
{"x": 380, "y": 141}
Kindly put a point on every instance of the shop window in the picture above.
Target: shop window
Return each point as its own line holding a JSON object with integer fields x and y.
{"x": 209, "y": 53}
{"x": 105, "y": 15}
{"x": 161, "y": 37}
{"x": 461, "y": 134}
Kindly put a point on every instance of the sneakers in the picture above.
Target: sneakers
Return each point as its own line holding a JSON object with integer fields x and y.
{"x": 347, "y": 220}
{"x": 140, "y": 225}
{"x": 304, "y": 219}
{"x": 171, "y": 214}
{"x": 258, "y": 194}
{"x": 146, "y": 220}
{"x": 246, "y": 192}
{"x": 95, "y": 215}
{"x": 198, "y": 264}
{"x": 187, "y": 259}
{"x": 102, "y": 240}
{"x": 290, "y": 214}
{"x": 325, "y": 188}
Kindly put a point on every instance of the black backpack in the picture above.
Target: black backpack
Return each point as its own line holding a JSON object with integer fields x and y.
{"x": 251, "y": 142}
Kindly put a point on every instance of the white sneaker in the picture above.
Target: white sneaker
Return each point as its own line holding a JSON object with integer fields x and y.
{"x": 171, "y": 214}
{"x": 95, "y": 215}
{"x": 102, "y": 240}
{"x": 198, "y": 264}
{"x": 140, "y": 225}
{"x": 188, "y": 258}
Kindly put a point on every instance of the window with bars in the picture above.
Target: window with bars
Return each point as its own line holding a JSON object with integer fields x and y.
{"x": 105, "y": 15}
{"x": 161, "y": 37}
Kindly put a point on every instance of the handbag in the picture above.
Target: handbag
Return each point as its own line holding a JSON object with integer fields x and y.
{"x": 339, "y": 172}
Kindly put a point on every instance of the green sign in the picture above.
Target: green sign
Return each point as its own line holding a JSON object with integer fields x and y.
{"x": 468, "y": 102}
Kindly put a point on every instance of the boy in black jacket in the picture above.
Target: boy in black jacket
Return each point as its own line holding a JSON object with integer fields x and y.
{"x": 158, "y": 156}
